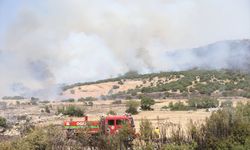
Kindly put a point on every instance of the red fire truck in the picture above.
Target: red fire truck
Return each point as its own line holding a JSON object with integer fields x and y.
{"x": 108, "y": 125}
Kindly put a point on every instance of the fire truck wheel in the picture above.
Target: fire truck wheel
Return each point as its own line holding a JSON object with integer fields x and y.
{"x": 108, "y": 130}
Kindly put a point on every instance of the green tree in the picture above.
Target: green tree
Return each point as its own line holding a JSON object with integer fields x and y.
{"x": 132, "y": 106}
{"x": 146, "y": 103}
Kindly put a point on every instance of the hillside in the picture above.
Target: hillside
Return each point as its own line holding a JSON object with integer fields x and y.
{"x": 226, "y": 73}
{"x": 165, "y": 84}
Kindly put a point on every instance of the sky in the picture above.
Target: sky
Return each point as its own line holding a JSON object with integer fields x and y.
{"x": 47, "y": 43}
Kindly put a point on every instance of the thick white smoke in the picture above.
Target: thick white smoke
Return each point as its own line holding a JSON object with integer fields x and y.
{"x": 61, "y": 41}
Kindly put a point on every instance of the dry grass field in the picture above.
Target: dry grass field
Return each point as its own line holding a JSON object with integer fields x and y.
{"x": 101, "y": 107}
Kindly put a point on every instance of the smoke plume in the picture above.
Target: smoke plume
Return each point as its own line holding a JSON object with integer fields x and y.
{"x": 46, "y": 43}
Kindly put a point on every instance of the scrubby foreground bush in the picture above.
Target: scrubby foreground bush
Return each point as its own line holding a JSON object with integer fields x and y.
{"x": 39, "y": 139}
{"x": 54, "y": 138}
{"x": 228, "y": 128}
{"x": 225, "y": 129}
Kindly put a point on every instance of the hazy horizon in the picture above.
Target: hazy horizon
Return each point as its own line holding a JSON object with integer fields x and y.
{"x": 46, "y": 43}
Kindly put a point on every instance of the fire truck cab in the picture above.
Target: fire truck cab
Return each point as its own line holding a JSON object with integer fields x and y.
{"x": 111, "y": 124}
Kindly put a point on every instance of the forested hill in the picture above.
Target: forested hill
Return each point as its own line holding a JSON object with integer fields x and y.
{"x": 165, "y": 84}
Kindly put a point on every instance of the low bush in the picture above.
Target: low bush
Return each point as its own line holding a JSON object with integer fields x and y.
{"x": 50, "y": 137}
{"x": 164, "y": 107}
{"x": 116, "y": 87}
{"x": 225, "y": 129}
{"x": 117, "y": 102}
{"x": 68, "y": 100}
{"x": 132, "y": 110}
{"x": 120, "y": 82}
{"x": 132, "y": 107}
{"x": 228, "y": 128}
{"x": 71, "y": 111}
{"x": 47, "y": 110}
{"x": 146, "y": 103}
{"x": 203, "y": 102}
{"x": 179, "y": 106}
{"x": 3, "y": 122}
{"x": 87, "y": 99}
{"x": 44, "y": 102}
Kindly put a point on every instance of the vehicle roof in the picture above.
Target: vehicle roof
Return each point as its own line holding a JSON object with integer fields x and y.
{"x": 116, "y": 117}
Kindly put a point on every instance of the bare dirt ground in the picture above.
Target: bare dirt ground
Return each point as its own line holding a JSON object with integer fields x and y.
{"x": 97, "y": 90}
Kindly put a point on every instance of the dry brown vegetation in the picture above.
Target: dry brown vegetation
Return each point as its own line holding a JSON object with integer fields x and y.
{"x": 97, "y": 99}
{"x": 224, "y": 129}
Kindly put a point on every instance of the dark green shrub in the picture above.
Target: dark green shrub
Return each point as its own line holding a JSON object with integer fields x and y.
{"x": 164, "y": 107}
{"x": 120, "y": 82}
{"x": 146, "y": 103}
{"x": 203, "y": 102}
{"x": 34, "y": 101}
{"x": 132, "y": 107}
{"x": 128, "y": 97}
{"x": 115, "y": 87}
{"x": 179, "y": 106}
{"x": 246, "y": 94}
{"x": 3, "y": 122}
{"x": 132, "y": 110}
{"x": 44, "y": 102}
{"x": 17, "y": 102}
{"x": 90, "y": 99}
{"x": 68, "y": 100}
{"x": 47, "y": 110}
{"x": 225, "y": 129}
{"x": 117, "y": 102}
{"x": 71, "y": 111}
{"x": 49, "y": 137}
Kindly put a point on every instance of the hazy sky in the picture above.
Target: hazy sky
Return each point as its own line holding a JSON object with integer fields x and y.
{"x": 43, "y": 43}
